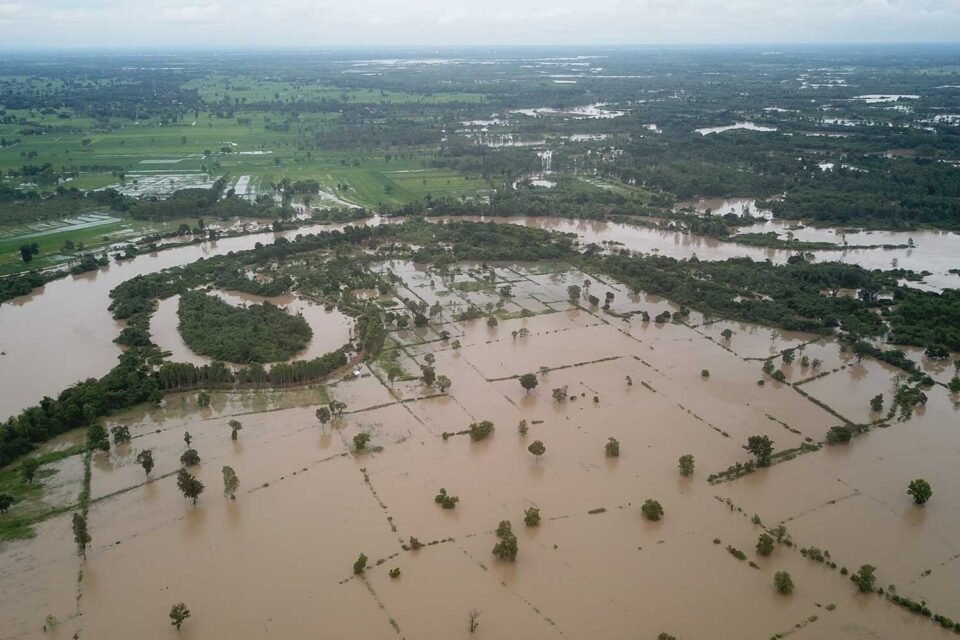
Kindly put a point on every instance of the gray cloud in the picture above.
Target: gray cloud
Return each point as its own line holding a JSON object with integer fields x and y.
{"x": 243, "y": 23}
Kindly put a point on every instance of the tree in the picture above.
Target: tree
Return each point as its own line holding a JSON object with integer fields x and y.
{"x": 337, "y": 408}
{"x": 474, "y": 620}
{"x": 761, "y": 447}
{"x": 80, "y": 534}
{"x": 573, "y": 293}
{"x": 189, "y": 486}
{"x": 187, "y": 438}
{"x": 522, "y": 428}
{"x": 360, "y": 441}
{"x": 190, "y": 458}
{"x": 612, "y": 448}
{"x": 428, "y": 375}
{"x": 145, "y": 459}
{"x": 120, "y": 434}
{"x": 686, "y": 465}
{"x": 506, "y": 548}
{"x": 560, "y": 393}
{"x": 920, "y": 490}
{"x": 652, "y": 510}
{"x": 532, "y": 517}
{"x": 480, "y": 430}
{"x": 430, "y": 359}
{"x": 178, "y": 614}
{"x": 876, "y": 403}
{"x": 445, "y": 500}
{"x": 492, "y": 322}
{"x": 6, "y": 501}
{"x": 235, "y": 426}
{"x": 28, "y": 469}
{"x": 783, "y": 582}
{"x": 323, "y": 415}
{"x": 537, "y": 448}
{"x": 360, "y": 564}
{"x": 765, "y": 544}
{"x": 443, "y": 383}
{"x": 788, "y": 356}
{"x": 230, "y": 482}
{"x": 864, "y": 578}
{"x": 529, "y": 381}
{"x": 726, "y": 334}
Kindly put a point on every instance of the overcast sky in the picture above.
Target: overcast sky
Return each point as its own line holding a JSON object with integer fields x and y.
{"x": 323, "y": 23}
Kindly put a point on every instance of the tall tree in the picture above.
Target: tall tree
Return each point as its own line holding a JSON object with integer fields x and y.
{"x": 189, "y": 486}
{"x": 230, "y": 482}
{"x": 145, "y": 458}
{"x": 235, "y": 427}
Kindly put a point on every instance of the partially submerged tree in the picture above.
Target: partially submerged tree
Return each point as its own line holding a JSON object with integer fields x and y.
{"x": 323, "y": 415}
{"x": 445, "y": 500}
{"x": 761, "y": 447}
{"x": 686, "y": 465}
{"x": 560, "y": 393}
{"x": 532, "y": 517}
{"x": 235, "y": 427}
{"x": 537, "y": 448}
{"x": 230, "y": 482}
{"x": 81, "y": 536}
{"x": 529, "y": 381}
{"x": 480, "y": 430}
{"x": 783, "y": 582}
{"x": 121, "y": 434}
{"x": 189, "y": 486}
{"x": 178, "y": 614}
{"x": 145, "y": 459}
{"x": 360, "y": 441}
{"x": 190, "y": 458}
{"x": 919, "y": 490}
{"x": 612, "y": 448}
{"x": 506, "y": 548}
{"x": 443, "y": 383}
{"x": 428, "y": 375}
{"x": 187, "y": 438}
{"x": 652, "y": 510}
{"x": 474, "y": 620}
{"x": 360, "y": 564}
{"x": 864, "y": 578}
{"x": 765, "y": 544}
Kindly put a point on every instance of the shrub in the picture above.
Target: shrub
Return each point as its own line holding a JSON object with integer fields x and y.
{"x": 360, "y": 564}
{"x": 783, "y": 582}
{"x": 612, "y": 448}
{"x": 652, "y": 510}
{"x": 765, "y": 544}
{"x": 446, "y": 501}
{"x": 395, "y": 572}
{"x": 480, "y": 430}
{"x": 532, "y": 517}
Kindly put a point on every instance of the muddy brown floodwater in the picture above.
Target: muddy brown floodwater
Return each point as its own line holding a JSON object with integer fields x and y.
{"x": 69, "y": 317}
{"x": 277, "y": 561}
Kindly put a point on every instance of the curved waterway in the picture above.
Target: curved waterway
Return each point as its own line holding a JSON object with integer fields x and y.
{"x": 63, "y": 333}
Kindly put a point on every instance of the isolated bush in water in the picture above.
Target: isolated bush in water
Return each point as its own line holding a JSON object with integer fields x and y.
{"x": 652, "y": 510}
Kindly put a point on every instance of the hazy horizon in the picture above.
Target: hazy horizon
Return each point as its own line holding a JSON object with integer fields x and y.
{"x": 136, "y": 24}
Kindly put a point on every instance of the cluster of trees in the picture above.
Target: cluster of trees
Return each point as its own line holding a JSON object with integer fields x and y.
{"x": 258, "y": 333}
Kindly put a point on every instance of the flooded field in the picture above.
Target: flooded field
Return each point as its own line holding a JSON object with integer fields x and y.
{"x": 278, "y": 559}
{"x": 70, "y": 316}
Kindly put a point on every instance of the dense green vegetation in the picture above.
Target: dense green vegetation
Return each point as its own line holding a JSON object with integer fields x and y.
{"x": 258, "y": 333}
